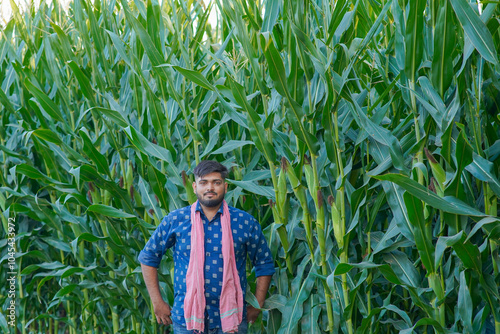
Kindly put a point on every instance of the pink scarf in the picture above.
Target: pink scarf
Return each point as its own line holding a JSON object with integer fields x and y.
{"x": 231, "y": 299}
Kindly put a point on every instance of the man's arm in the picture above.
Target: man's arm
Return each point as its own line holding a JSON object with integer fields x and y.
{"x": 263, "y": 283}
{"x": 161, "y": 308}
{"x": 261, "y": 289}
{"x": 260, "y": 255}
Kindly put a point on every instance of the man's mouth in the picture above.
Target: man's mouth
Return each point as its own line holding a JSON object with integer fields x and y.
{"x": 208, "y": 194}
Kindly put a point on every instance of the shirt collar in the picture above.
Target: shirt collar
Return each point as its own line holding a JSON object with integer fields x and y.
{"x": 199, "y": 208}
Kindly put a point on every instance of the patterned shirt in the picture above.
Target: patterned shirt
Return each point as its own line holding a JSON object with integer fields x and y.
{"x": 174, "y": 232}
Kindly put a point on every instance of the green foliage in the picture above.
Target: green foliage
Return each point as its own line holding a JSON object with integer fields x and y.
{"x": 322, "y": 110}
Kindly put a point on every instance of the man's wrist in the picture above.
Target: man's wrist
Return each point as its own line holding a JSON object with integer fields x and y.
{"x": 157, "y": 301}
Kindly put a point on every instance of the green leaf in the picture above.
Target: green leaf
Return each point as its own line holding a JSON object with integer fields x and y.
{"x": 444, "y": 44}
{"x": 468, "y": 253}
{"x": 253, "y": 188}
{"x": 160, "y": 122}
{"x": 442, "y": 244}
{"x": 476, "y": 30}
{"x": 304, "y": 44}
{"x": 33, "y": 173}
{"x": 94, "y": 154}
{"x": 421, "y": 231}
{"x": 148, "y": 199}
{"x": 424, "y": 322}
{"x": 146, "y": 147}
{"x": 47, "y": 104}
{"x": 120, "y": 47}
{"x": 480, "y": 224}
{"x": 47, "y": 135}
{"x": 114, "y": 234}
{"x": 3, "y": 323}
{"x": 272, "y": 11}
{"x": 339, "y": 24}
{"x": 5, "y": 101}
{"x": 395, "y": 200}
{"x": 232, "y": 145}
{"x": 278, "y": 74}
{"x": 464, "y": 156}
{"x": 309, "y": 322}
{"x": 400, "y": 312}
{"x": 75, "y": 270}
{"x": 87, "y": 173}
{"x": 414, "y": 43}
{"x": 403, "y": 267}
{"x": 195, "y": 77}
{"x": 254, "y": 121}
{"x": 247, "y": 42}
{"x": 344, "y": 268}
{"x": 46, "y": 265}
{"x": 57, "y": 244}
{"x": 85, "y": 237}
{"x": 113, "y": 115}
{"x": 390, "y": 275}
{"x": 465, "y": 303}
{"x": 158, "y": 181}
{"x": 435, "y": 99}
{"x": 275, "y": 301}
{"x": 83, "y": 81}
{"x": 447, "y": 204}
{"x": 65, "y": 290}
{"x": 294, "y": 308}
{"x": 153, "y": 54}
{"x": 482, "y": 169}
{"x": 109, "y": 211}
{"x": 380, "y": 134}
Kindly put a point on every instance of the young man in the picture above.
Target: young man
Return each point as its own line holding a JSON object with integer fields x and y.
{"x": 210, "y": 242}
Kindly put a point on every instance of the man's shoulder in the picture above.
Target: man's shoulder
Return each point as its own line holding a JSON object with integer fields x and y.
{"x": 240, "y": 214}
{"x": 179, "y": 214}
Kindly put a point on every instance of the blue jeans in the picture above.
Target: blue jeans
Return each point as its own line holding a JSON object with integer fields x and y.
{"x": 180, "y": 329}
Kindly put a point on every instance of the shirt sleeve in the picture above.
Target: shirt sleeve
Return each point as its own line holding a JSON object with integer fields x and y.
{"x": 161, "y": 239}
{"x": 259, "y": 252}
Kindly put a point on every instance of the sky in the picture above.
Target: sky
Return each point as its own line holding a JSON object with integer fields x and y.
{"x": 6, "y": 11}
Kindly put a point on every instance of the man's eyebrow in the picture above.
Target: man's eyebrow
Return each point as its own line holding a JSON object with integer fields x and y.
{"x": 206, "y": 180}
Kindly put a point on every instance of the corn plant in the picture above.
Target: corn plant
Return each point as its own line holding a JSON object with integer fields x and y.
{"x": 364, "y": 136}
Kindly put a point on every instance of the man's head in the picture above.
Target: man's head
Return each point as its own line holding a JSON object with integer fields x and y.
{"x": 210, "y": 186}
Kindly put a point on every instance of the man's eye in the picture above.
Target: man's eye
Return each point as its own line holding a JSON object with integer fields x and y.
{"x": 218, "y": 183}
{"x": 203, "y": 183}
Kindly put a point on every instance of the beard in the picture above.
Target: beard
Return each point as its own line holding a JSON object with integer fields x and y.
{"x": 211, "y": 203}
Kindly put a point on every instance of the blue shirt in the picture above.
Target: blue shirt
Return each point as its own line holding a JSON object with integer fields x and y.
{"x": 174, "y": 232}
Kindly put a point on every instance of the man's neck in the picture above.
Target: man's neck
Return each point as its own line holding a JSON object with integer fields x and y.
{"x": 210, "y": 212}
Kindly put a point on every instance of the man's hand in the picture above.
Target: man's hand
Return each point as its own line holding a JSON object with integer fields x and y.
{"x": 252, "y": 314}
{"x": 162, "y": 313}
{"x": 162, "y": 310}
{"x": 260, "y": 293}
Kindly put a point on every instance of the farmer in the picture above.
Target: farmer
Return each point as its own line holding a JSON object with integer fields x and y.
{"x": 210, "y": 243}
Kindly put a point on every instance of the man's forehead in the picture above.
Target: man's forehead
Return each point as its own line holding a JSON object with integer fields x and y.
{"x": 210, "y": 177}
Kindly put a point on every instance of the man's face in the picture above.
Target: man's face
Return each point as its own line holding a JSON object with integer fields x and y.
{"x": 210, "y": 189}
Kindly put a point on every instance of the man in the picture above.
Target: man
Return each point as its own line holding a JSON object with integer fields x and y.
{"x": 210, "y": 242}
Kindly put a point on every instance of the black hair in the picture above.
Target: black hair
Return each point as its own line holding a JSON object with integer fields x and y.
{"x": 206, "y": 167}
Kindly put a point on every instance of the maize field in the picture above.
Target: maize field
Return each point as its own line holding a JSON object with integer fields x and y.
{"x": 363, "y": 135}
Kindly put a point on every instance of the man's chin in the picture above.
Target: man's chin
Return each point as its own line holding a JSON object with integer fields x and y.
{"x": 211, "y": 203}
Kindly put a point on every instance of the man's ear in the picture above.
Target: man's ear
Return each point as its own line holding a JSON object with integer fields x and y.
{"x": 194, "y": 187}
